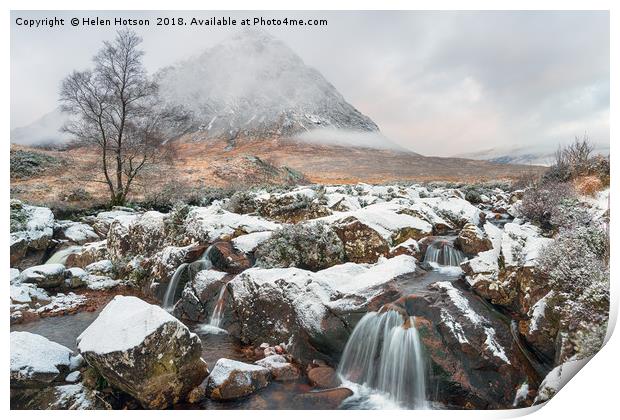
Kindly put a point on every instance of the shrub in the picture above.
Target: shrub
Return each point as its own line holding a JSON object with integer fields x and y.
{"x": 310, "y": 246}
{"x": 76, "y": 194}
{"x": 241, "y": 202}
{"x": 541, "y": 204}
{"x": 26, "y": 164}
{"x": 588, "y": 185}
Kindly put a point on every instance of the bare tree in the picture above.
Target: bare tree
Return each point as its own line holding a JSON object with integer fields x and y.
{"x": 116, "y": 109}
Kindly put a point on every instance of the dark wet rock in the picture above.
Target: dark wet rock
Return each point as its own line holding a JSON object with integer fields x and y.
{"x": 143, "y": 351}
{"x": 323, "y": 377}
{"x": 474, "y": 359}
{"x": 225, "y": 258}
{"x": 231, "y": 379}
{"x": 62, "y": 397}
{"x": 200, "y": 295}
{"x": 323, "y": 400}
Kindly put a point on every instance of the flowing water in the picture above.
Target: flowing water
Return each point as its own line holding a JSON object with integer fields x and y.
{"x": 60, "y": 257}
{"x": 191, "y": 269}
{"x": 385, "y": 354}
{"x": 442, "y": 252}
{"x": 217, "y": 316}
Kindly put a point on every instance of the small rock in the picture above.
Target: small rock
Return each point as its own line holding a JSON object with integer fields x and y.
{"x": 46, "y": 276}
{"x": 196, "y": 395}
{"x": 323, "y": 377}
{"x": 231, "y": 379}
{"x": 73, "y": 377}
{"x": 280, "y": 368}
{"x": 325, "y": 400}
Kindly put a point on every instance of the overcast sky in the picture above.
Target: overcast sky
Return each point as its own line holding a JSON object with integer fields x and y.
{"x": 439, "y": 83}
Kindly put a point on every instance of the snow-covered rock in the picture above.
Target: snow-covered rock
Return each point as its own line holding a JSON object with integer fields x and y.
{"x": 280, "y": 368}
{"x": 61, "y": 397}
{"x": 312, "y": 309}
{"x": 199, "y": 296}
{"x": 32, "y": 228}
{"x": 76, "y": 232}
{"x": 143, "y": 350}
{"x": 104, "y": 219}
{"x": 133, "y": 235}
{"x": 36, "y": 361}
{"x": 88, "y": 254}
{"x": 46, "y": 276}
{"x": 209, "y": 224}
{"x": 231, "y": 379}
{"x": 62, "y": 303}
{"x": 472, "y": 240}
{"x": 27, "y": 293}
{"x": 248, "y": 243}
{"x": 557, "y": 378}
{"x": 103, "y": 267}
{"x": 75, "y": 277}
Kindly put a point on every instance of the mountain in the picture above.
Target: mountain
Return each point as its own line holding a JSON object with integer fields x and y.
{"x": 541, "y": 155}
{"x": 44, "y": 131}
{"x": 253, "y": 85}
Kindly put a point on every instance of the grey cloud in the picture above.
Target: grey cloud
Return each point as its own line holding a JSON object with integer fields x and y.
{"x": 438, "y": 83}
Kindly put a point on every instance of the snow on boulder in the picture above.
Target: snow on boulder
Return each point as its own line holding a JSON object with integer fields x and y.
{"x": 280, "y": 368}
{"x": 248, "y": 243}
{"x": 26, "y": 293}
{"x": 521, "y": 244}
{"x": 104, "y": 219}
{"x": 472, "y": 240}
{"x": 102, "y": 267}
{"x": 88, "y": 254}
{"x": 36, "y": 361}
{"x": 133, "y": 235}
{"x": 46, "y": 276}
{"x": 312, "y": 311}
{"x": 557, "y": 378}
{"x": 454, "y": 209}
{"x": 231, "y": 379}
{"x": 209, "y": 224}
{"x": 62, "y": 397}
{"x": 32, "y": 229}
{"x": 76, "y": 232}
{"x": 200, "y": 294}
{"x": 144, "y": 351}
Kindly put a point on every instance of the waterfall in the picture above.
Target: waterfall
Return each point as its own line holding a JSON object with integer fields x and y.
{"x": 60, "y": 257}
{"x": 442, "y": 252}
{"x": 204, "y": 263}
{"x": 386, "y": 354}
{"x": 218, "y": 309}
{"x": 168, "y": 302}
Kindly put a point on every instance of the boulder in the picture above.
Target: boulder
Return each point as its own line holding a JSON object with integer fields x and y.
{"x": 62, "y": 397}
{"x": 213, "y": 223}
{"x": 557, "y": 378}
{"x": 323, "y": 377}
{"x": 312, "y": 312}
{"x": 225, "y": 258}
{"x": 101, "y": 268}
{"x": 32, "y": 229}
{"x": 329, "y": 399}
{"x": 409, "y": 247}
{"x": 162, "y": 266}
{"x": 46, "y": 276}
{"x": 90, "y": 253}
{"x": 37, "y": 361}
{"x": 279, "y": 367}
{"x": 292, "y": 207}
{"x": 144, "y": 351}
{"x": 75, "y": 277}
{"x": 472, "y": 240}
{"x": 75, "y": 232}
{"x": 248, "y": 243}
{"x": 103, "y": 220}
{"x": 474, "y": 359}
{"x": 133, "y": 235}
{"x": 456, "y": 210}
{"x": 361, "y": 243}
{"x": 200, "y": 294}
{"x": 231, "y": 379}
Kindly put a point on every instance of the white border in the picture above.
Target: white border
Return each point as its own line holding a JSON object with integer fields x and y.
{"x": 591, "y": 395}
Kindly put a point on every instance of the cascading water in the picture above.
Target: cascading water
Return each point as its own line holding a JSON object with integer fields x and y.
{"x": 442, "y": 252}
{"x": 218, "y": 310}
{"x": 386, "y": 354}
{"x": 204, "y": 263}
{"x": 60, "y": 257}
